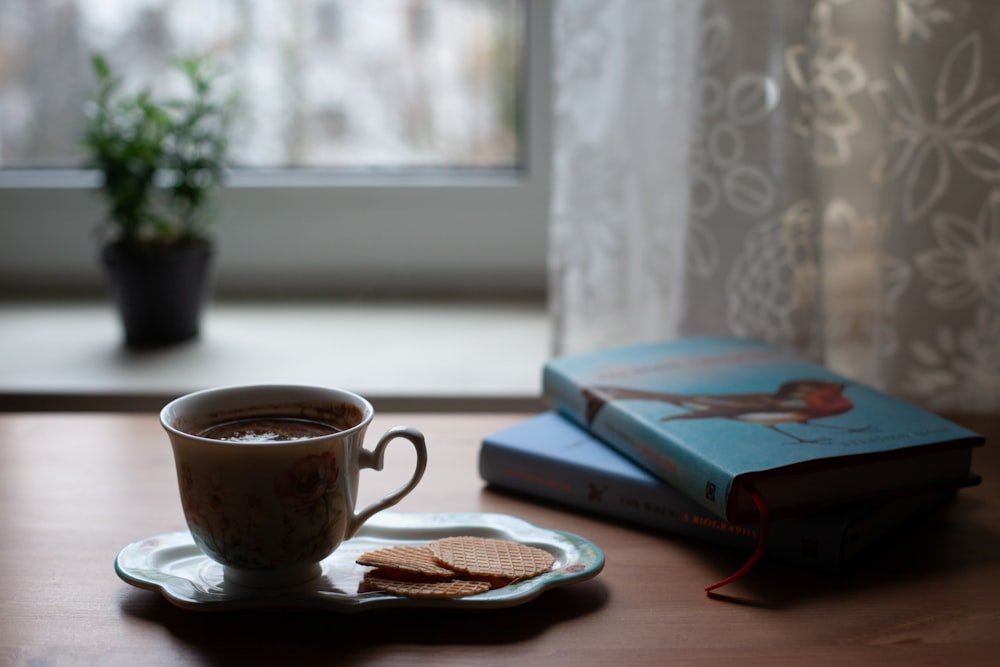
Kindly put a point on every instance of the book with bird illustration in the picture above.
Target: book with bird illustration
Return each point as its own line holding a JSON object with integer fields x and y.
{"x": 736, "y": 423}
{"x": 549, "y": 457}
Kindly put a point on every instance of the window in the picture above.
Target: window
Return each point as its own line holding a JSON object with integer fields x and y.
{"x": 334, "y": 190}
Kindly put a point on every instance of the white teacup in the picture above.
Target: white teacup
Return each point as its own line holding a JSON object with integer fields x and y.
{"x": 269, "y": 510}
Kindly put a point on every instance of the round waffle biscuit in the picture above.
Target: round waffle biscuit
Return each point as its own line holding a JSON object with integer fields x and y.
{"x": 405, "y": 562}
{"x": 494, "y": 559}
{"x": 453, "y": 588}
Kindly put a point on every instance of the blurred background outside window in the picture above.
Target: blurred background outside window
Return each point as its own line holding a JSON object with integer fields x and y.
{"x": 389, "y": 146}
{"x": 322, "y": 83}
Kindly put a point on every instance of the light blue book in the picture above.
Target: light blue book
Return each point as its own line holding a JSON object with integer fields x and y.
{"x": 732, "y": 423}
{"x": 548, "y": 457}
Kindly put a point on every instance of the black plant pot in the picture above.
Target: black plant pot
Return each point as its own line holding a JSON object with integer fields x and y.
{"x": 160, "y": 290}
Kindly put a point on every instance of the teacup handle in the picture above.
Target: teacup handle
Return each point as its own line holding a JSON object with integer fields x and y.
{"x": 373, "y": 459}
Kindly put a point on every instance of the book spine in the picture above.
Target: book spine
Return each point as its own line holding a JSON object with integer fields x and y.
{"x": 643, "y": 443}
{"x": 651, "y": 503}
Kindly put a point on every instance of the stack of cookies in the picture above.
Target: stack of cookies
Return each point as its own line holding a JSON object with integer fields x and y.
{"x": 452, "y": 567}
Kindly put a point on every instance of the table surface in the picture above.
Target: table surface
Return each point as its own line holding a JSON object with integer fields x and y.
{"x": 76, "y": 488}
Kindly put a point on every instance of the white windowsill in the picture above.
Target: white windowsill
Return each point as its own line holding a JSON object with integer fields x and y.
{"x": 403, "y": 356}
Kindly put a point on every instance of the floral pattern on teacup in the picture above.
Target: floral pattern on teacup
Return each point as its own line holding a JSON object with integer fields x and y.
{"x": 303, "y": 486}
{"x": 294, "y": 522}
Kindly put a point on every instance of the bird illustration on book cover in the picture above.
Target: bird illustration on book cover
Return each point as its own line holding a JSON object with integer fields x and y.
{"x": 801, "y": 401}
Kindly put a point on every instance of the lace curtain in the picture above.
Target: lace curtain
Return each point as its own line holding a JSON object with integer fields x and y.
{"x": 820, "y": 174}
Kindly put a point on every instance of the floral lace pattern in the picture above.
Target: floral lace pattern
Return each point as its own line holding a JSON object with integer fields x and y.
{"x": 820, "y": 174}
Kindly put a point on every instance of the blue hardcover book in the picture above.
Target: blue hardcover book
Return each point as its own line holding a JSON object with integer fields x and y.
{"x": 549, "y": 457}
{"x": 734, "y": 423}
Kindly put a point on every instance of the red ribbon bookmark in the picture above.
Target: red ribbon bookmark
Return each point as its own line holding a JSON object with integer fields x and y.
{"x": 765, "y": 529}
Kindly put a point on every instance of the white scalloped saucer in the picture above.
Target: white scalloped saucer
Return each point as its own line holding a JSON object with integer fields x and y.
{"x": 172, "y": 564}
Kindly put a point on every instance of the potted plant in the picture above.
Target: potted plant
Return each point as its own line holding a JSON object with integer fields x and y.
{"x": 159, "y": 165}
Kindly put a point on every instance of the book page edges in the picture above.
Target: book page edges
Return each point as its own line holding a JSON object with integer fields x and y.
{"x": 813, "y": 485}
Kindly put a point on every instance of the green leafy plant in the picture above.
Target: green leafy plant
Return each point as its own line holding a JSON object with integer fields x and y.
{"x": 159, "y": 161}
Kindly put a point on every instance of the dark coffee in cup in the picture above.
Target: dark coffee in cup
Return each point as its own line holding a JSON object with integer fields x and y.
{"x": 268, "y": 429}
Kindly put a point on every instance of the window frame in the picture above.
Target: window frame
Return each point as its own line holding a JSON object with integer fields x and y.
{"x": 324, "y": 232}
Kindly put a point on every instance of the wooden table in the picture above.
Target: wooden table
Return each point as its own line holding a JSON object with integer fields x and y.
{"x": 76, "y": 488}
